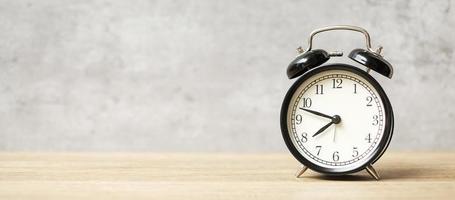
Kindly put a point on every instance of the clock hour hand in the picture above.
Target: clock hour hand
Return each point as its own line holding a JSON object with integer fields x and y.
{"x": 317, "y": 113}
{"x": 335, "y": 120}
{"x": 323, "y": 128}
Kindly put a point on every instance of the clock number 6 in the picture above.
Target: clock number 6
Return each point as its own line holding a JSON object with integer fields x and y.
{"x": 335, "y": 156}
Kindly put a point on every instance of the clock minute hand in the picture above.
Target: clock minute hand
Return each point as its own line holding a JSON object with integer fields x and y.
{"x": 317, "y": 113}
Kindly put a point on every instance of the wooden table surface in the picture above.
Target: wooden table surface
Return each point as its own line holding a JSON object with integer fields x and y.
{"x": 416, "y": 175}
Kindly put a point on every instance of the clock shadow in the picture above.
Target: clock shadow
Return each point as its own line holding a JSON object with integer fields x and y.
{"x": 348, "y": 177}
{"x": 385, "y": 174}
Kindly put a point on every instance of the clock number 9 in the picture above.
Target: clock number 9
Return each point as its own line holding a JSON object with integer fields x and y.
{"x": 298, "y": 119}
{"x": 335, "y": 156}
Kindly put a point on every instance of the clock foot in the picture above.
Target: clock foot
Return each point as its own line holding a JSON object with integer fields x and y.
{"x": 301, "y": 171}
{"x": 372, "y": 172}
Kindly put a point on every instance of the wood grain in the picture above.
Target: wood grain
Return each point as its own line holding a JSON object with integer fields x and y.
{"x": 405, "y": 175}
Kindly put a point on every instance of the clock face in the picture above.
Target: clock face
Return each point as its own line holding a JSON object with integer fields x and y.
{"x": 336, "y": 119}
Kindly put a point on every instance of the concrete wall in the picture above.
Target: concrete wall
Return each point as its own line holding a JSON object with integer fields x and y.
{"x": 204, "y": 75}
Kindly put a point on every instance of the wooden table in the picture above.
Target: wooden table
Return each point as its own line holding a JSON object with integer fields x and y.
{"x": 412, "y": 175}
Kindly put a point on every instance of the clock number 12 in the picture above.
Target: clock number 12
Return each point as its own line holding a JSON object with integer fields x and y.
{"x": 337, "y": 83}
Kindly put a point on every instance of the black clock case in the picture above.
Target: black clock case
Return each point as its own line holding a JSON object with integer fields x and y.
{"x": 383, "y": 144}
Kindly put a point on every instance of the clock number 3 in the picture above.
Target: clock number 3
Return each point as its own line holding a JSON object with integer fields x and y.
{"x": 375, "y": 120}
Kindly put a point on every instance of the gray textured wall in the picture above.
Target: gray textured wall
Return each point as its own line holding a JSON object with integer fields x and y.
{"x": 204, "y": 75}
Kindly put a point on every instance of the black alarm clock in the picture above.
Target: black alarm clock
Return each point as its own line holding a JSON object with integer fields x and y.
{"x": 336, "y": 119}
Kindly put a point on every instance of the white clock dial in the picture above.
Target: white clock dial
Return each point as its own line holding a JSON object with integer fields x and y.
{"x": 344, "y": 143}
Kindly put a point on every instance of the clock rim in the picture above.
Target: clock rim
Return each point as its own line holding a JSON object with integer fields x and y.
{"x": 388, "y": 127}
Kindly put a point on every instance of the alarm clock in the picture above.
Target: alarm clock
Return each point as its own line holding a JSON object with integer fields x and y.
{"x": 336, "y": 118}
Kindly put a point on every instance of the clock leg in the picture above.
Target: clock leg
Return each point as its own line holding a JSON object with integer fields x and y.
{"x": 301, "y": 171}
{"x": 372, "y": 172}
